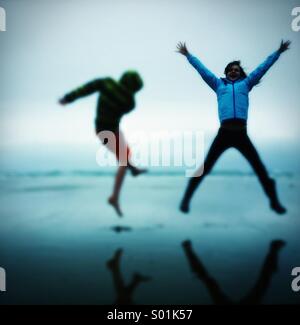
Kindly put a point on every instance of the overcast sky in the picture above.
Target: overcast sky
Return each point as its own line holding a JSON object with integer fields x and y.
{"x": 51, "y": 47}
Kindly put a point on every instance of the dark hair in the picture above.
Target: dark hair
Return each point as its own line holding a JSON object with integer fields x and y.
{"x": 132, "y": 81}
{"x": 238, "y": 63}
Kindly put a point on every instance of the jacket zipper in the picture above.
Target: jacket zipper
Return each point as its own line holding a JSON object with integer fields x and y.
{"x": 233, "y": 94}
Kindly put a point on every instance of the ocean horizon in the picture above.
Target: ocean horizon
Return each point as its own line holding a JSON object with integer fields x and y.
{"x": 57, "y": 232}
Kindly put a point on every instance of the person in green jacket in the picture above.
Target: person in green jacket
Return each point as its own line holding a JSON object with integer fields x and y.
{"x": 116, "y": 99}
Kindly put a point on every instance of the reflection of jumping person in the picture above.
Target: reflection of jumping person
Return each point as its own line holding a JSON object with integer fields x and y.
{"x": 117, "y": 99}
{"x": 124, "y": 292}
{"x": 256, "y": 294}
{"x": 232, "y": 93}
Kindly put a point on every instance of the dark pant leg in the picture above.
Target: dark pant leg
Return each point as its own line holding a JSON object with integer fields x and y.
{"x": 219, "y": 145}
{"x": 245, "y": 146}
{"x": 198, "y": 268}
{"x": 269, "y": 267}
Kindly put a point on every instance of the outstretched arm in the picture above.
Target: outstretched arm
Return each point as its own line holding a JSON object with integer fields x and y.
{"x": 85, "y": 90}
{"x": 260, "y": 71}
{"x": 206, "y": 74}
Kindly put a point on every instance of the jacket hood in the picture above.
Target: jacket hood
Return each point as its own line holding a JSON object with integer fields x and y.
{"x": 132, "y": 81}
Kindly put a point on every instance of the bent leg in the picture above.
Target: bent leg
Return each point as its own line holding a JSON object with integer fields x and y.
{"x": 248, "y": 150}
{"x": 218, "y": 146}
{"x": 216, "y": 293}
{"x": 269, "y": 267}
{"x": 123, "y": 154}
{"x": 114, "y": 265}
{"x": 114, "y": 198}
{"x": 115, "y": 142}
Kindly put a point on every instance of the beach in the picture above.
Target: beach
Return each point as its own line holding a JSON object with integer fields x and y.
{"x": 57, "y": 234}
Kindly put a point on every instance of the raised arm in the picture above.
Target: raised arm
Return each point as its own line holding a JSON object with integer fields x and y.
{"x": 255, "y": 76}
{"x": 85, "y": 90}
{"x": 206, "y": 74}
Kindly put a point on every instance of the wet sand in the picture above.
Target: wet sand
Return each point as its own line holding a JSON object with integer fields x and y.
{"x": 57, "y": 235}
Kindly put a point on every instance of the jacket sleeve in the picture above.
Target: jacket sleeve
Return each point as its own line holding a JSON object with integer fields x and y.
{"x": 206, "y": 74}
{"x": 259, "y": 72}
{"x": 85, "y": 90}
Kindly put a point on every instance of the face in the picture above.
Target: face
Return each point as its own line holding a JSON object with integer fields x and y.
{"x": 234, "y": 73}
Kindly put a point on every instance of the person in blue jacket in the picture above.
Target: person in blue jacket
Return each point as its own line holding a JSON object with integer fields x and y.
{"x": 233, "y": 102}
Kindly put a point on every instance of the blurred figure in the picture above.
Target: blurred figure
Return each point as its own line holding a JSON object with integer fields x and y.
{"x": 256, "y": 294}
{"x": 233, "y": 102}
{"x": 124, "y": 292}
{"x": 116, "y": 99}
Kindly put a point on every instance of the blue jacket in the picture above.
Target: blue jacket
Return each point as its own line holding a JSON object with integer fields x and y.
{"x": 233, "y": 96}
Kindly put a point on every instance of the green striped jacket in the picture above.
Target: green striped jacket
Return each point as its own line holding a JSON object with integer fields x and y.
{"x": 115, "y": 99}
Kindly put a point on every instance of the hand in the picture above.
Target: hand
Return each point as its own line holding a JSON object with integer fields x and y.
{"x": 284, "y": 46}
{"x": 182, "y": 49}
{"x": 62, "y": 101}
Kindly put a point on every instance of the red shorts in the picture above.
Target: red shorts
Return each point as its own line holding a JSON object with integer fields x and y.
{"x": 115, "y": 142}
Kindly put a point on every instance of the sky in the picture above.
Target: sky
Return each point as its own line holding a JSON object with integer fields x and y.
{"x": 52, "y": 47}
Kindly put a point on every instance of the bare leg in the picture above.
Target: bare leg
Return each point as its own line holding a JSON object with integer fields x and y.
{"x": 135, "y": 171}
{"x": 124, "y": 155}
{"x": 116, "y": 143}
{"x": 114, "y": 198}
{"x": 114, "y": 265}
{"x": 118, "y": 146}
{"x": 124, "y": 292}
{"x": 135, "y": 281}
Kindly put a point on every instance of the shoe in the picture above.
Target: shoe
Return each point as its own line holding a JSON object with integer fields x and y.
{"x": 184, "y": 207}
{"x": 278, "y": 208}
{"x": 275, "y": 204}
